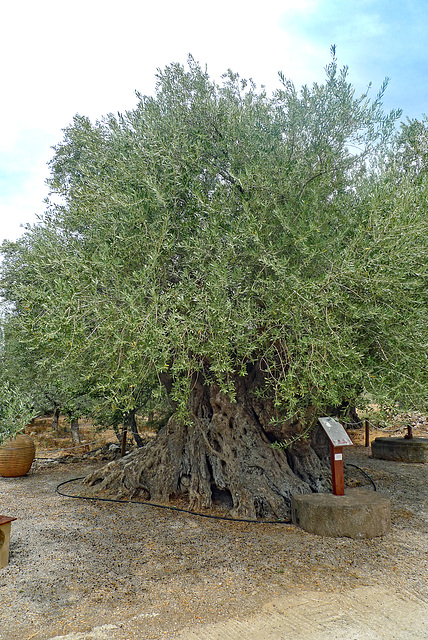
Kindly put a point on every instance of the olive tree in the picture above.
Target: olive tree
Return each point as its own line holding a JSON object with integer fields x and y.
{"x": 235, "y": 248}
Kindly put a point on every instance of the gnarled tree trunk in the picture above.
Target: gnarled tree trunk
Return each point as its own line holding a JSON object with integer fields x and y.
{"x": 75, "y": 432}
{"x": 225, "y": 453}
{"x": 55, "y": 418}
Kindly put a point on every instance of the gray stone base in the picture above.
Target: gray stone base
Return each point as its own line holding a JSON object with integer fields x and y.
{"x": 401, "y": 449}
{"x": 358, "y": 514}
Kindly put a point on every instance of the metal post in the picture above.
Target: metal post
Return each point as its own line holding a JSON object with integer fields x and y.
{"x": 336, "y": 455}
{"x": 367, "y": 426}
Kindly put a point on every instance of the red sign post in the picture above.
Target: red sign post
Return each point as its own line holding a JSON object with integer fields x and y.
{"x": 336, "y": 457}
{"x": 338, "y": 439}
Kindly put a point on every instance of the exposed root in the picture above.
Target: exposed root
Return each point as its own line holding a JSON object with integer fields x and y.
{"x": 224, "y": 454}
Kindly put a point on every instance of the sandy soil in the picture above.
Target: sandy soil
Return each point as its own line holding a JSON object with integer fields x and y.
{"x": 87, "y": 570}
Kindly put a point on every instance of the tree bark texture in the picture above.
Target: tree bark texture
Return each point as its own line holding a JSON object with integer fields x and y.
{"x": 75, "y": 433}
{"x": 131, "y": 422}
{"x": 224, "y": 456}
{"x": 55, "y": 418}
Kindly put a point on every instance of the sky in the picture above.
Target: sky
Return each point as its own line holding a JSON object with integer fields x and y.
{"x": 89, "y": 57}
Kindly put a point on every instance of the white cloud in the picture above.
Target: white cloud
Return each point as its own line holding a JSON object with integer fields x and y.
{"x": 89, "y": 56}
{"x": 25, "y": 203}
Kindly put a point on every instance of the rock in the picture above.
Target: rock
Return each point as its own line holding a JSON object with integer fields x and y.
{"x": 358, "y": 514}
{"x": 401, "y": 449}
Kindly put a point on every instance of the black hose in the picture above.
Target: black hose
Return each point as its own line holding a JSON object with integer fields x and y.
{"x": 349, "y": 464}
{"x": 162, "y": 506}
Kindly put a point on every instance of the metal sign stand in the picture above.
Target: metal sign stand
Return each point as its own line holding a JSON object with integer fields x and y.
{"x": 338, "y": 439}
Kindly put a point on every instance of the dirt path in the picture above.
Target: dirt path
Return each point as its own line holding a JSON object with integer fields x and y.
{"x": 84, "y": 570}
{"x": 364, "y": 613}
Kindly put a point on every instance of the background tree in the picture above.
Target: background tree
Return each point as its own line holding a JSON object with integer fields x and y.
{"x": 238, "y": 249}
{"x": 16, "y": 404}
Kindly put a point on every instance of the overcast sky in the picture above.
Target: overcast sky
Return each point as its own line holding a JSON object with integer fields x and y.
{"x": 60, "y": 58}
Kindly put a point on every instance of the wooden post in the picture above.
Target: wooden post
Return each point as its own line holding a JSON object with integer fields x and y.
{"x": 367, "y": 438}
{"x": 336, "y": 455}
{"x": 4, "y": 539}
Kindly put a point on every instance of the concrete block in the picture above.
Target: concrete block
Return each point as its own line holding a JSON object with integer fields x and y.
{"x": 401, "y": 449}
{"x": 358, "y": 514}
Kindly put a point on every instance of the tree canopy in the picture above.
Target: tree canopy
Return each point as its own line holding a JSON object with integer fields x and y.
{"x": 215, "y": 228}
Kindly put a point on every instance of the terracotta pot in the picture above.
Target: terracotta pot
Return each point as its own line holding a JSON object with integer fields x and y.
{"x": 16, "y": 456}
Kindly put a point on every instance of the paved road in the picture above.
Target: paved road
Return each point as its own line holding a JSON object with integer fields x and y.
{"x": 366, "y": 613}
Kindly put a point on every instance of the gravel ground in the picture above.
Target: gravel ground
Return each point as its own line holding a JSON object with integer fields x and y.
{"x": 100, "y": 570}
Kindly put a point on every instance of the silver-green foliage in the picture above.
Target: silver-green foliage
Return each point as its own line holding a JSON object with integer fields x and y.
{"x": 16, "y": 411}
{"x": 215, "y": 226}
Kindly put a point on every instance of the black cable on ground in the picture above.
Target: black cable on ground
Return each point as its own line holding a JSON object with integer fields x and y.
{"x": 162, "y": 506}
{"x": 349, "y": 464}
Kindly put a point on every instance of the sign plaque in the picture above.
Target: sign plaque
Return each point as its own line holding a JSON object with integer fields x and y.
{"x": 338, "y": 439}
{"x": 335, "y": 432}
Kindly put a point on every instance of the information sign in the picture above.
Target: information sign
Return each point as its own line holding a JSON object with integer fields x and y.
{"x": 338, "y": 439}
{"x": 335, "y": 432}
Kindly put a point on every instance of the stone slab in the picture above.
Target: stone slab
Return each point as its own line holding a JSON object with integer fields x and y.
{"x": 358, "y": 514}
{"x": 401, "y": 449}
